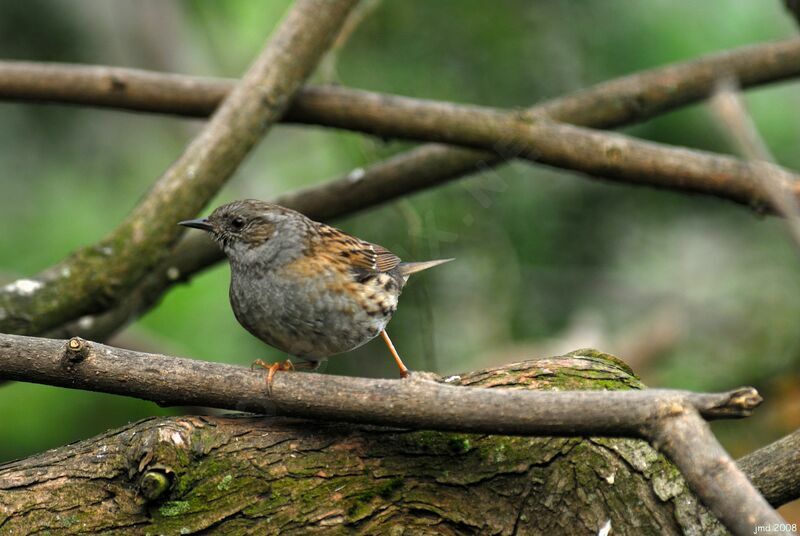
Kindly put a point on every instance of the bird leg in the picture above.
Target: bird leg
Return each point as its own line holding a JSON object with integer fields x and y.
{"x": 403, "y": 369}
{"x": 272, "y": 368}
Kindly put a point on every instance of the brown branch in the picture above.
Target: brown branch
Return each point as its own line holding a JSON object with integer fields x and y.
{"x": 686, "y": 439}
{"x": 96, "y": 276}
{"x": 112, "y": 87}
{"x": 625, "y": 100}
{"x": 662, "y": 416}
{"x": 774, "y": 469}
{"x": 419, "y": 403}
{"x": 610, "y": 156}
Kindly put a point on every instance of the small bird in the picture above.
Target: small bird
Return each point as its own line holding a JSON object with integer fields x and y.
{"x": 304, "y": 287}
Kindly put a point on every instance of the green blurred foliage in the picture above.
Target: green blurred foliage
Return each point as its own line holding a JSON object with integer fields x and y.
{"x": 546, "y": 261}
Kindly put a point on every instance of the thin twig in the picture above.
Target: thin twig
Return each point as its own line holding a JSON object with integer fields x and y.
{"x": 662, "y": 416}
{"x": 95, "y": 277}
{"x": 776, "y": 185}
{"x": 327, "y": 68}
{"x": 793, "y": 7}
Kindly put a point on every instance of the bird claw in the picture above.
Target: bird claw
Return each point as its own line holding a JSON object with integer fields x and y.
{"x": 272, "y": 369}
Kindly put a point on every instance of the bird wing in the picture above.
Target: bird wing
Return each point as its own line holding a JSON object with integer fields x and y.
{"x": 359, "y": 254}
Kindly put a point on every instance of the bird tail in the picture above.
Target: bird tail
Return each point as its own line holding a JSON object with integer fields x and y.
{"x": 408, "y": 268}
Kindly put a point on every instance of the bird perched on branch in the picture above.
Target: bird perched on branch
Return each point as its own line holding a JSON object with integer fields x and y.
{"x": 304, "y": 287}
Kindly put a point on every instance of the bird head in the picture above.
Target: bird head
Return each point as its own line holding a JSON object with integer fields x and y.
{"x": 248, "y": 230}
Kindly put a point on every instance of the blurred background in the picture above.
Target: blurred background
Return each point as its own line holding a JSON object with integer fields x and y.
{"x": 692, "y": 292}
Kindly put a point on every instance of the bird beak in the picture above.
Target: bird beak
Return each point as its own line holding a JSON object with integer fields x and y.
{"x": 200, "y": 223}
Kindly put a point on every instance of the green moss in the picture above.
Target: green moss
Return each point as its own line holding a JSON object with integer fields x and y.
{"x": 459, "y": 444}
{"x": 304, "y": 492}
{"x": 225, "y": 483}
{"x": 174, "y": 508}
{"x": 361, "y": 505}
{"x": 390, "y": 487}
{"x": 597, "y": 355}
{"x": 438, "y": 443}
{"x": 68, "y": 521}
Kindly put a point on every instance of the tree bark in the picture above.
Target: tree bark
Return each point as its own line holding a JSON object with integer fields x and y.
{"x": 253, "y": 474}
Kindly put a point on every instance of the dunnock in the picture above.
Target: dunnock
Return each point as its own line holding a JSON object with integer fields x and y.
{"x": 304, "y": 287}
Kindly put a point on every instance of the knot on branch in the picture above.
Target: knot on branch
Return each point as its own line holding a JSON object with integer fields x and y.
{"x": 155, "y": 483}
{"x": 115, "y": 83}
{"x": 77, "y": 350}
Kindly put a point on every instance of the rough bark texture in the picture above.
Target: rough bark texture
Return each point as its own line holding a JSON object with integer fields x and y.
{"x": 245, "y": 474}
{"x": 775, "y": 469}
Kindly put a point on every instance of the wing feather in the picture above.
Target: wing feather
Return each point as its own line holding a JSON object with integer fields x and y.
{"x": 359, "y": 254}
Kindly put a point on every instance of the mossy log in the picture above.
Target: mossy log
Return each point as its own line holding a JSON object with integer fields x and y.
{"x": 244, "y": 474}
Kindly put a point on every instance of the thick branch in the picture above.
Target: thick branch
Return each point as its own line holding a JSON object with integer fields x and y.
{"x": 774, "y": 469}
{"x": 419, "y": 403}
{"x": 416, "y": 404}
{"x": 97, "y": 276}
{"x": 288, "y": 476}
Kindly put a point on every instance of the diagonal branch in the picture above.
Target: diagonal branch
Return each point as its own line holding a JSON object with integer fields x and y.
{"x": 669, "y": 419}
{"x": 729, "y": 110}
{"x": 508, "y": 134}
{"x": 97, "y": 276}
{"x": 773, "y": 469}
{"x": 687, "y": 440}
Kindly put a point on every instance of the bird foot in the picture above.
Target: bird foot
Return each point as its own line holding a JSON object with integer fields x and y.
{"x": 272, "y": 368}
{"x": 423, "y": 376}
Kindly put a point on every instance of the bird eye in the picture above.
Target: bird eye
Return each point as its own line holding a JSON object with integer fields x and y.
{"x": 237, "y": 222}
